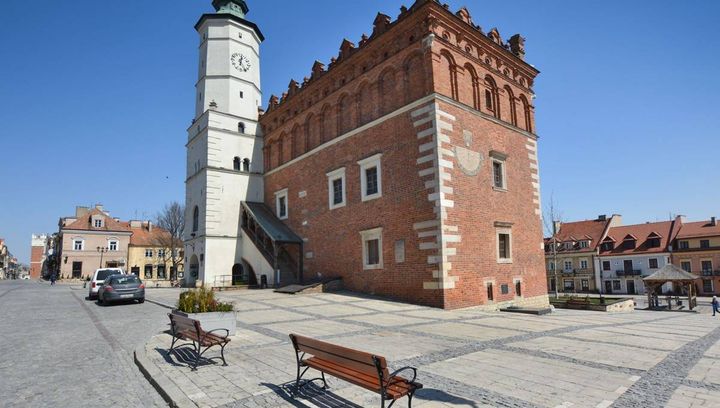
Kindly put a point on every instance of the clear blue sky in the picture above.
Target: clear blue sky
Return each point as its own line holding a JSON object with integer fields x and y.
{"x": 96, "y": 98}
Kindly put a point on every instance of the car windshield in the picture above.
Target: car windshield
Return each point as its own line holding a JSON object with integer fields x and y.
{"x": 122, "y": 280}
{"x": 104, "y": 273}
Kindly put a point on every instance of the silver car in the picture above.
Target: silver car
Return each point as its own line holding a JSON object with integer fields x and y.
{"x": 121, "y": 287}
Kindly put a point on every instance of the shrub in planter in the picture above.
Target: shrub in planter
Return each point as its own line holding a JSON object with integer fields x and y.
{"x": 200, "y": 304}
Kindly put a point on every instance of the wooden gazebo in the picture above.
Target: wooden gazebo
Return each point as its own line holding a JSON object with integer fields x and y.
{"x": 673, "y": 274}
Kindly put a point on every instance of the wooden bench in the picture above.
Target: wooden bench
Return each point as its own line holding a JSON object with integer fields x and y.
{"x": 184, "y": 328}
{"x": 362, "y": 369}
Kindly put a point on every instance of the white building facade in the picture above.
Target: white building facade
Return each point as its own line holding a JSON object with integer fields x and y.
{"x": 624, "y": 274}
{"x": 224, "y": 148}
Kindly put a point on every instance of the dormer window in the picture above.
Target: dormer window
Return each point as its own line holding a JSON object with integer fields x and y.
{"x": 629, "y": 242}
{"x": 97, "y": 222}
{"x": 584, "y": 244}
{"x": 569, "y": 245}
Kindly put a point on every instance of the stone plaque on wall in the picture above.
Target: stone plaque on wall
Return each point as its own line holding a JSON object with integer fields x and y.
{"x": 400, "y": 251}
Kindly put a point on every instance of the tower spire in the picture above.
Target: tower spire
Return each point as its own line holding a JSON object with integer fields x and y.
{"x": 235, "y": 7}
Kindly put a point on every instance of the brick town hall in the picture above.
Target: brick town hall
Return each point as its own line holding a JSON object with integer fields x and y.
{"x": 407, "y": 166}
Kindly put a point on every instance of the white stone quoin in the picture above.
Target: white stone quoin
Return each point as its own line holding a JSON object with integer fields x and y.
{"x": 224, "y": 147}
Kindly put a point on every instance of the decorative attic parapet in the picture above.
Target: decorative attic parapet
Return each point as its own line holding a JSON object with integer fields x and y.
{"x": 517, "y": 46}
{"x": 380, "y": 25}
{"x": 383, "y": 23}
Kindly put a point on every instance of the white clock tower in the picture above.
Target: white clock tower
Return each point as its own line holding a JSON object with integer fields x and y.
{"x": 224, "y": 148}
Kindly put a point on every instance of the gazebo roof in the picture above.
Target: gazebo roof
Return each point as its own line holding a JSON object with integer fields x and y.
{"x": 671, "y": 273}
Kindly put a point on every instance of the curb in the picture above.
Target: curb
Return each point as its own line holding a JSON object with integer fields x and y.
{"x": 165, "y": 305}
{"x": 166, "y": 388}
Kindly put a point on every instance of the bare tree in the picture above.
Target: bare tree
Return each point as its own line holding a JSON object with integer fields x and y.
{"x": 551, "y": 221}
{"x": 172, "y": 220}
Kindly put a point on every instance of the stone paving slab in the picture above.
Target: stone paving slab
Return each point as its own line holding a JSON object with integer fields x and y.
{"x": 465, "y": 358}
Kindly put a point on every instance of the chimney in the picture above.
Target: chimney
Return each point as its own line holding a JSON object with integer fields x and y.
{"x": 80, "y": 211}
{"x": 713, "y": 221}
{"x": 150, "y": 226}
{"x": 99, "y": 207}
{"x": 556, "y": 227}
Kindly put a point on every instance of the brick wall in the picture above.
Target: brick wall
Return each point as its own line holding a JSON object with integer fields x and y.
{"x": 36, "y": 255}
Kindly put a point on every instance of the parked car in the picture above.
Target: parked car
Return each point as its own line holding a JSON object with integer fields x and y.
{"x": 98, "y": 277}
{"x": 121, "y": 287}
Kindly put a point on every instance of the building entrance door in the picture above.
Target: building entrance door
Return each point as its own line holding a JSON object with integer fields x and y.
{"x": 238, "y": 275}
{"x": 631, "y": 287}
{"x": 608, "y": 287}
{"x": 76, "y": 270}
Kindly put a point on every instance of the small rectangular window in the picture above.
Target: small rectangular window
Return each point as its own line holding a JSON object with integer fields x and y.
{"x": 583, "y": 264}
{"x": 568, "y": 265}
{"x": 585, "y": 284}
{"x": 707, "y": 285}
{"x": 161, "y": 253}
{"x": 148, "y": 271}
{"x": 98, "y": 223}
{"x": 704, "y": 243}
{"x": 706, "y": 267}
{"x": 686, "y": 266}
{"x": 489, "y": 100}
{"x": 617, "y": 285}
{"x": 370, "y": 177}
{"x": 684, "y": 244}
{"x": 113, "y": 245}
{"x": 148, "y": 253}
{"x": 518, "y": 288}
{"x": 498, "y": 176}
{"x": 504, "y": 245}
{"x": 606, "y": 265}
{"x": 78, "y": 245}
{"x": 372, "y": 248}
{"x": 242, "y": 94}
{"x": 490, "y": 294}
{"x": 504, "y": 289}
{"x": 281, "y": 204}
{"x": 653, "y": 263}
{"x": 336, "y": 188}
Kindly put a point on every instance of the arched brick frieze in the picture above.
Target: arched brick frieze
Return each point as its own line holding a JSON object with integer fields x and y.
{"x": 511, "y": 104}
{"x": 527, "y": 113}
{"x": 366, "y": 104}
{"x": 491, "y": 98}
{"x": 414, "y": 77}
{"x": 448, "y": 75}
{"x": 388, "y": 89}
{"x": 469, "y": 87}
{"x": 298, "y": 141}
{"x": 329, "y": 123}
{"x": 344, "y": 114}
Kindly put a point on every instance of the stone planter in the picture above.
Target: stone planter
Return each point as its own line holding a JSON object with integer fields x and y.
{"x": 213, "y": 320}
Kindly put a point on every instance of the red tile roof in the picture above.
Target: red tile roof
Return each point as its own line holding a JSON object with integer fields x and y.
{"x": 578, "y": 231}
{"x": 143, "y": 237}
{"x": 699, "y": 229}
{"x": 84, "y": 223}
{"x": 641, "y": 232}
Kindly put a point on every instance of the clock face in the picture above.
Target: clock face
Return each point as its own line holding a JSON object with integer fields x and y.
{"x": 240, "y": 62}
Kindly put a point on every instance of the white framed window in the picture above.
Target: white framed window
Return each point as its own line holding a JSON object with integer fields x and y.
{"x": 161, "y": 253}
{"x": 148, "y": 253}
{"x": 371, "y": 177}
{"x": 281, "y": 204}
{"x": 98, "y": 223}
{"x": 372, "y": 248}
{"x": 568, "y": 265}
{"x": 551, "y": 266}
{"x": 584, "y": 244}
{"x": 504, "y": 245}
{"x": 499, "y": 173}
{"x": 78, "y": 244}
{"x": 336, "y": 188}
{"x": 583, "y": 264}
{"x": 112, "y": 245}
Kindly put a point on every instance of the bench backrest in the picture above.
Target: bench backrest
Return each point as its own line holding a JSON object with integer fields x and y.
{"x": 182, "y": 323}
{"x": 347, "y": 357}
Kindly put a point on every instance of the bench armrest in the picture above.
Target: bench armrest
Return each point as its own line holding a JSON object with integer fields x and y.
{"x": 396, "y": 372}
{"x": 227, "y": 333}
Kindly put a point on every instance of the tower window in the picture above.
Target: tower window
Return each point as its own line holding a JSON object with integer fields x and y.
{"x": 489, "y": 100}
{"x": 246, "y": 165}
{"x": 196, "y": 219}
{"x": 242, "y": 95}
{"x": 241, "y": 127}
{"x": 236, "y": 163}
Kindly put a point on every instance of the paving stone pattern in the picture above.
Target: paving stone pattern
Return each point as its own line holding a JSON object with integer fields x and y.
{"x": 60, "y": 350}
{"x": 466, "y": 358}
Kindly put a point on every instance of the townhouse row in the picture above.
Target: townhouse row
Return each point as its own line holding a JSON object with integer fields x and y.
{"x": 604, "y": 256}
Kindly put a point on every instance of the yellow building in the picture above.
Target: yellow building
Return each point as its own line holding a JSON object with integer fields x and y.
{"x": 150, "y": 256}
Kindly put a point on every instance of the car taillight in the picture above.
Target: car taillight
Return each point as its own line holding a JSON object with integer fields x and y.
{"x": 108, "y": 288}
{"x": 93, "y": 284}
{"x": 142, "y": 286}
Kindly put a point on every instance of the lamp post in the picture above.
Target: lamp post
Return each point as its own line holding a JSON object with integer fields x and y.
{"x": 102, "y": 251}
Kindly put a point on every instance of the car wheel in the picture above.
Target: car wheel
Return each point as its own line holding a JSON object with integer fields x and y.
{"x": 141, "y": 300}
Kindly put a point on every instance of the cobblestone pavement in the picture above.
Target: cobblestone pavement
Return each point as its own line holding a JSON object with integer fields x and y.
{"x": 466, "y": 358}
{"x": 60, "y": 350}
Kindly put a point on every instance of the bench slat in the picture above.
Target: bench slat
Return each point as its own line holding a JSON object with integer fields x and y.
{"x": 398, "y": 387}
{"x": 354, "y": 359}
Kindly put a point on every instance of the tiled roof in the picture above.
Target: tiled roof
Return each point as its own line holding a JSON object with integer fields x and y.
{"x": 570, "y": 231}
{"x": 641, "y": 232}
{"x": 142, "y": 236}
{"x": 699, "y": 229}
{"x": 84, "y": 223}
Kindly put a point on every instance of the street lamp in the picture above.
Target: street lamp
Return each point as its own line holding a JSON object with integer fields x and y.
{"x": 102, "y": 250}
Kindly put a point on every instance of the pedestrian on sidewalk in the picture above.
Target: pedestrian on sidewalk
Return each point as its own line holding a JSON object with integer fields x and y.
{"x": 715, "y": 305}
{"x": 53, "y": 278}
